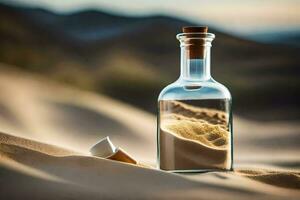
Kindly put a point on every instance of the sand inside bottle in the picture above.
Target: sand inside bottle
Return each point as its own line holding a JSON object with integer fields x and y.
{"x": 194, "y": 135}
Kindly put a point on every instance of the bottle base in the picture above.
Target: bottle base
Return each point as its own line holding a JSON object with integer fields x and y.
{"x": 197, "y": 170}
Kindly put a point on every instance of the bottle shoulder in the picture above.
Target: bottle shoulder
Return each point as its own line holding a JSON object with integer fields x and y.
{"x": 183, "y": 90}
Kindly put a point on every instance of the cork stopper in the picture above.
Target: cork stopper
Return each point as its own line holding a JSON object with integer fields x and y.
{"x": 195, "y": 29}
{"x": 195, "y": 47}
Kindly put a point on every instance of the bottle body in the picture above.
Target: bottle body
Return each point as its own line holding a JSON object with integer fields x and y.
{"x": 194, "y": 130}
{"x": 194, "y": 127}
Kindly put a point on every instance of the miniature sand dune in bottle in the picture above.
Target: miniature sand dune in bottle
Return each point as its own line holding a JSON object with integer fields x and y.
{"x": 193, "y": 138}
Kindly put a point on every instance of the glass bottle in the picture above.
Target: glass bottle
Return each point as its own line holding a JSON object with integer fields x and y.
{"x": 194, "y": 131}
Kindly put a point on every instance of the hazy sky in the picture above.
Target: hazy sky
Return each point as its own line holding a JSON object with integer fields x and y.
{"x": 244, "y": 16}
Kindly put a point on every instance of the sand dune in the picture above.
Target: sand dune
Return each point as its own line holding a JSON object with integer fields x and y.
{"x": 286, "y": 179}
{"x": 66, "y": 122}
{"x": 36, "y": 108}
{"x": 52, "y": 172}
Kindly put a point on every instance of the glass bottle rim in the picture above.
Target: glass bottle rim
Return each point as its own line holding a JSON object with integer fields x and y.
{"x": 203, "y": 36}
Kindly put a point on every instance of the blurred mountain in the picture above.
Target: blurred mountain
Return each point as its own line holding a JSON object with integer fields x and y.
{"x": 133, "y": 58}
{"x": 291, "y": 38}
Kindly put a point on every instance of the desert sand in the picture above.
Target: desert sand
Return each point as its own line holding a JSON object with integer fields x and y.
{"x": 47, "y": 129}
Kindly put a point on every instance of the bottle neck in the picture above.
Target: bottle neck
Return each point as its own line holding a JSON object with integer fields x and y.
{"x": 195, "y": 68}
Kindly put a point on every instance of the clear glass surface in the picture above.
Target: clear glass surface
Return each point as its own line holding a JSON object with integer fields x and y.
{"x": 194, "y": 127}
{"x": 194, "y": 132}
